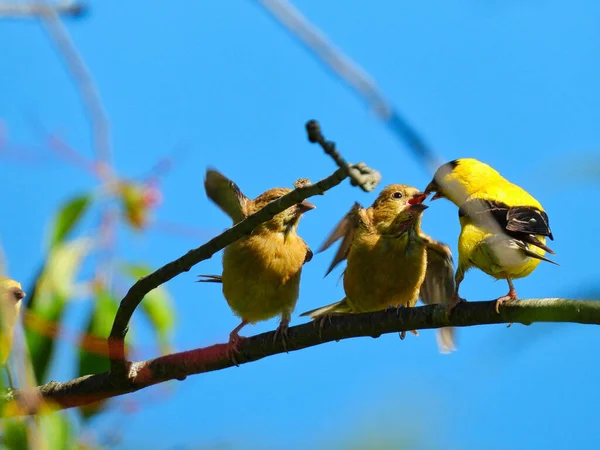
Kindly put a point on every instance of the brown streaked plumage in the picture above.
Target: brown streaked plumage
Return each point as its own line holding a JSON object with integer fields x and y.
{"x": 261, "y": 271}
{"x": 390, "y": 261}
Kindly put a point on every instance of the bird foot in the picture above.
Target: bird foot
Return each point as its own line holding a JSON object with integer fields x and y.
{"x": 282, "y": 332}
{"x": 233, "y": 346}
{"x": 325, "y": 318}
{"x": 456, "y": 300}
{"x": 403, "y": 334}
{"x": 510, "y": 297}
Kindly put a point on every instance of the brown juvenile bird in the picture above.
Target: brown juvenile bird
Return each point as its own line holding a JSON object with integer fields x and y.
{"x": 391, "y": 262}
{"x": 261, "y": 271}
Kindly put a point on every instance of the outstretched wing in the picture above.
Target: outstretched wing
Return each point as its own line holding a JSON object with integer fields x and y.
{"x": 344, "y": 230}
{"x": 226, "y": 195}
{"x": 438, "y": 286}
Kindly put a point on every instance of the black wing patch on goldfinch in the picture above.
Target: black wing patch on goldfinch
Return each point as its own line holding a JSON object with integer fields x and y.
{"x": 226, "y": 195}
{"x": 519, "y": 222}
{"x": 344, "y": 229}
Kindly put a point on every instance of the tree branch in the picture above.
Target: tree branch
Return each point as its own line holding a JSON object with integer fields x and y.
{"x": 360, "y": 174}
{"x": 137, "y": 292}
{"x": 178, "y": 366}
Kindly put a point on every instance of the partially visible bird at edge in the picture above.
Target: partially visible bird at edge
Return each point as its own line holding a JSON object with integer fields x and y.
{"x": 11, "y": 295}
{"x": 390, "y": 261}
{"x": 261, "y": 271}
{"x": 503, "y": 228}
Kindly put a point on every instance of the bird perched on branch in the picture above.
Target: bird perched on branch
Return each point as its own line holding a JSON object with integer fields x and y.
{"x": 11, "y": 295}
{"x": 391, "y": 262}
{"x": 261, "y": 271}
{"x": 503, "y": 228}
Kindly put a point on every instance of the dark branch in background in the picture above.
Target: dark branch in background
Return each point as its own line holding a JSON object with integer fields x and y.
{"x": 178, "y": 366}
{"x": 360, "y": 174}
{"x": 332, "y": 57}
{"x": 28, "y": 10}
{"x": 118, "y": 362}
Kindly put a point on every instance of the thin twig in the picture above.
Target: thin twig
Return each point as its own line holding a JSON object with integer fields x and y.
{"x": 178, "y": 366}
{"x": 360, "y": 174}
{"x": 85, "y": 84}
{"x": 316, "y": 41}
{"x": 28, "y": 10}
{"x": 137, "y": 292}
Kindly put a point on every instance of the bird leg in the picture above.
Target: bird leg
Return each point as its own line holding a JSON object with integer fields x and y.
{"x": 282, "y": 331}
{"x": 403, "y": 333}
{"x": 234, "y": 342}
{"x": 511, "y": 296}
{"x": 324, "y": 318}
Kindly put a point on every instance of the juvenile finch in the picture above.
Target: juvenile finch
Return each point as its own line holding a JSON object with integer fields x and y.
{"x": 261, "y": 271}
{"x": 503, "y": 228}
{"x": 390, "y": 261}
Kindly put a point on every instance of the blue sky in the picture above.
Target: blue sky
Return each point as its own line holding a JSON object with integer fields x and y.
{"x": 513, "y": 83}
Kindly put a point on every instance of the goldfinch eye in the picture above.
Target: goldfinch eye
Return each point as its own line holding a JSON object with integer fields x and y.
{"x": 397, "y": 195}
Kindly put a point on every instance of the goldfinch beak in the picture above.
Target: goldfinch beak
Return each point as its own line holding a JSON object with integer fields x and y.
{"x": 433, "y": 187}
{"x": 305, "y": 206}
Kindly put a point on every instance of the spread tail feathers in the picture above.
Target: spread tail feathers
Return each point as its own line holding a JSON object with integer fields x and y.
{"x": 210, "y": 279}
{"x": 340, "y": 307}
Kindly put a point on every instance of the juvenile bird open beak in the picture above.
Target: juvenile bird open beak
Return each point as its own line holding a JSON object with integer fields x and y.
{"x": 305, "y": 206}
{"x": 416, "y": 204}
{"x": 418, "y": 198}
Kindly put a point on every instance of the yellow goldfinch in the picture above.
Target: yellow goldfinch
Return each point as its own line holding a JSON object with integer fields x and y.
{"x": 391, "y": 262}
{"x": 261, "y": 271}
{"x": 503, "y": 228}
{"x": 11, "y": 295}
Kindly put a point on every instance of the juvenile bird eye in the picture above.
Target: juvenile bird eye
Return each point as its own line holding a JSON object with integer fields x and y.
{"x": 397, "y": 195}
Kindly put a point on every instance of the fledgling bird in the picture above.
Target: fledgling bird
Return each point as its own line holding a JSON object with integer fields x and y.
{"x": 261, "y": 271}
{"x": 11, "y": 295}
{"x": 390, "y": 261}
{"x": 503, "y": 228}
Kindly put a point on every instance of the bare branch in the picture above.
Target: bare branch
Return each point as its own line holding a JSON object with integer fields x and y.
{"x": 360, "y": 174}
{"x": 301, "y": 28}
{"x": 29, "y": 10}
{"x": 178, "y": 366}
{"x": 137, "y": 292}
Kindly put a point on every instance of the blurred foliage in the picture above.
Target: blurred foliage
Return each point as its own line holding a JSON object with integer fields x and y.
{"x": 73, "y": 252}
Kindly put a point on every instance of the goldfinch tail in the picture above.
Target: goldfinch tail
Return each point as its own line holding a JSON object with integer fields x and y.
{"x": 210, "y": 279}
{"x": 340, "y": 307}
{"x": 445, "y": 340}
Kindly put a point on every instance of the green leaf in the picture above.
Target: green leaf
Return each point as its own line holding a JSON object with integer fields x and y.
{"x": 53, "y": 289}
{"x": 14, "y": 436}
{"x": 67, "y": 217}
{"x": 157, "y": 306}
{"x": 56, "y": 431}
{"x": 93, "y": 346}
